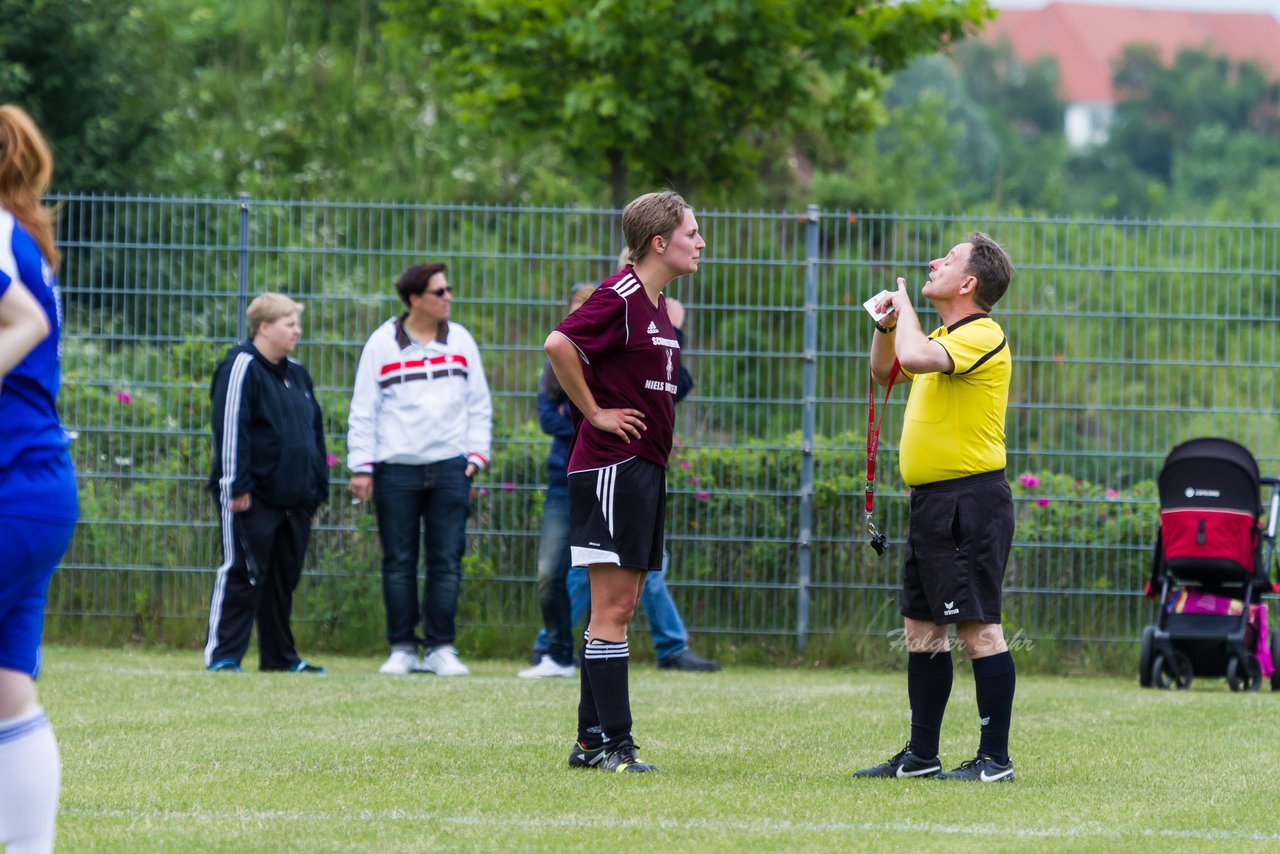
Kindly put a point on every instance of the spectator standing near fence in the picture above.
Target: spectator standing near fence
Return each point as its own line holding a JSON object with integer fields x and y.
{"x": 420, "y": 428}
{"x": 952, "y": 456}
{"x": 618, "y": 361}
{"x": 268, "y": 479}
{"x": 38, "y": 506}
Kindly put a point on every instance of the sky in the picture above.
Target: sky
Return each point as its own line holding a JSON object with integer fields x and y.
{"x": 1272, "y": 6}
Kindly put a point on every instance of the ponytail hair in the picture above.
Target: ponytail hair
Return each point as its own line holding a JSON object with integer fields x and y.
{"x": 26, "y": 172}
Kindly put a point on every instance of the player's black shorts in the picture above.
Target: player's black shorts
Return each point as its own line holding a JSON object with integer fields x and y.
{"x": 616, "y": 514}
{"x": 958, "y": 543}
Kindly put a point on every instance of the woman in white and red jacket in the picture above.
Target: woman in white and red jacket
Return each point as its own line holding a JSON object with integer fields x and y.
{"x": 420, "y": 428}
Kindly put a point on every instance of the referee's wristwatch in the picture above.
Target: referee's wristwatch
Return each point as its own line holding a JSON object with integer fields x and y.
{"x": 885, "y": 329}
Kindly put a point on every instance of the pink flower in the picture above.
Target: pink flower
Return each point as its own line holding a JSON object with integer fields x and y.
{"x": 331, "y": 460}
{"x": 685, "y": 464}
{"x": 1042, "y": 502}
{"x": 703, "y": 495}
{"x": 1030, "y": 481}
{"x": 693, "y": 481}
{"x": 124, "y": 397}
{"x": 508, "y": 486}
{"x": 1112, "y": 494}
{"x": 483, "y": 492}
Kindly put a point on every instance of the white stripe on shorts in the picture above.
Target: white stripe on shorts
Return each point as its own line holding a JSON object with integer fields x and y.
{"x": 605, "y": 480}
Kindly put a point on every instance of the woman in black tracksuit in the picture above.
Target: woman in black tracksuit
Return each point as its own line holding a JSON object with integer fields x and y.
{"x": 269, "y": 476}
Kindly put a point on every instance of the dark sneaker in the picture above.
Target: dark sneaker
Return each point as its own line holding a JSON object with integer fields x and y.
{"x": 623, "y": 758}
{"x": 585, "y": 757}
{"x": 306, "y": 667}
{"x": 685, "y": 660}
{"x": 981, "y": 769}
{"x": 225, "y": 665}
{"x": 904, "y": 764}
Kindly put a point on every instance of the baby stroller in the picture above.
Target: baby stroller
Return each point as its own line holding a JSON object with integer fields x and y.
{"x": 1213, "y": 556}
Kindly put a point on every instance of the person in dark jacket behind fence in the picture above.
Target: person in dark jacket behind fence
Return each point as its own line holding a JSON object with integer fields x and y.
{"x": 269, "y": 477}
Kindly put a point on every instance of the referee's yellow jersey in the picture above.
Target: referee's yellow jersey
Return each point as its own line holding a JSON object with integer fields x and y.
{"x": 954, "y": 423}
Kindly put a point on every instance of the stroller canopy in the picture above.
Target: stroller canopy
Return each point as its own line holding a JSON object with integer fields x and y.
{"x": 1216, "y": 474}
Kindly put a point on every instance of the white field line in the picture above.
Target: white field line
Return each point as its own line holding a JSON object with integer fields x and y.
{"x": 755, "y": 826}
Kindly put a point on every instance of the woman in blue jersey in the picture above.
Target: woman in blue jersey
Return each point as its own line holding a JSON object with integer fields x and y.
{"x": 38, "y": 507}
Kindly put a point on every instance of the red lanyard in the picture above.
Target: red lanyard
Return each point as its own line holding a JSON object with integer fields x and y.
{"x": 878, "y": 540}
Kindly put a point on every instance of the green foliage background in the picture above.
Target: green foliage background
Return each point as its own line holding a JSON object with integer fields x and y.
{"x": 761, "y": 104}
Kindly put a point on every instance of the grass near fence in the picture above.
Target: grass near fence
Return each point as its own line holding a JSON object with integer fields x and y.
{"x": 161, "y": 756}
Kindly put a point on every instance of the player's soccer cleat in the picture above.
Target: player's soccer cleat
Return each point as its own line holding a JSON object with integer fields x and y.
{"x": 443, "y": 661}
{"x": 225, "y": 665}
{"x": 585, "y": 757}
{"x": 981, "y": 769}
{"x": 904, "y": 764}
{"x": 401, "y": 661}
{"x": 305, "y": 667}
{"x": 547, "y": 667}
{"x": 623, "y": 758}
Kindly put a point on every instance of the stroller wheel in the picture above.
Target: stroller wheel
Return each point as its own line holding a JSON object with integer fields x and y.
{"x": 1144, "y": 657}
{"x": 1172, "y": 672}
{"x": 1275, "y": 659}
{"x": 1244, "y": 674}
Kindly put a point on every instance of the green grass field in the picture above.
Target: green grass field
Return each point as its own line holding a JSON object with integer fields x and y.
{"x": 161, "y": 756}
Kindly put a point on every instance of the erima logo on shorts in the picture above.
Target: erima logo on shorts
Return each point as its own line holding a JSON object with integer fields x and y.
{"x": 950, "y": 609}
{"x": 1192, "y": 492}
{"x": 594, "y": 545}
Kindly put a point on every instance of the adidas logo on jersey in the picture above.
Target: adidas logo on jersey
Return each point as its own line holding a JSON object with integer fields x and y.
{"x": 653, "y": 328}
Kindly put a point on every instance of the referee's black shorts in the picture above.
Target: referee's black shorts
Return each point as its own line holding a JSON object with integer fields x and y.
{"x": 616, "y": 514}
{"x": 958, "y": 543}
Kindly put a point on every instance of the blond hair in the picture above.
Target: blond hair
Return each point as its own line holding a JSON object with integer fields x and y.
{"x": 268, "y": 308}
{"x": 26, "y": 171}
{"x": 648, "y": 216}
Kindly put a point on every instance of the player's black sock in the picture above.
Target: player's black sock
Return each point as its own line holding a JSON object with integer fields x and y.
{"x": 589, "y": 735}
{"x": 993, "y": 682}
{"x": 929, "y": 677}
{"x": 605, "y": 664}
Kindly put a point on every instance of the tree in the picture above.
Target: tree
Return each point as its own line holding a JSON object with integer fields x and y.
{"x": 691, "y": 94}
{"x": 1161, "y": 108}
{"x": 94, "y": 76}
{"x": 1024, "y": 113}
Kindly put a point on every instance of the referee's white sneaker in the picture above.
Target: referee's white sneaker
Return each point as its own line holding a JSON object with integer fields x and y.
{"x": 547, "y": 667}
{"x": 401, "y": 662}
{"x": 443, "y": 661}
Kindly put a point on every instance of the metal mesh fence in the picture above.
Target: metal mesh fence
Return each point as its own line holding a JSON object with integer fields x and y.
{"x": 1127, "y": 338}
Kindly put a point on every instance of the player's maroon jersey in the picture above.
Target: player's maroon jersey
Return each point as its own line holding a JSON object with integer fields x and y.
{"x": 631, "y": 359}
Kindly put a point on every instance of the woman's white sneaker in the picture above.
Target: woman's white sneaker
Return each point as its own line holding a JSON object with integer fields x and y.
{"x": 443, "y": 661}
{"x": 547, "y": 667}
{"x": 401, "y": 662}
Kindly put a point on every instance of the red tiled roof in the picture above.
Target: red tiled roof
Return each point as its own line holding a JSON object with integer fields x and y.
{"x": 1084, "y": 39}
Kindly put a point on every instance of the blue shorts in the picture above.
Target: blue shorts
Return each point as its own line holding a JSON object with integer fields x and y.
{"x": 31, "y": 550}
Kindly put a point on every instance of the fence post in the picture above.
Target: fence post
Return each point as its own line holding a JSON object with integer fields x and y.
{"x": 242, "y": 275}
{"x": 808, "y": 404}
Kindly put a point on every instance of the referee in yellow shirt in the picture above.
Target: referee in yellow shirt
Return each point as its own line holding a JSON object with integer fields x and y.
{"x": 961, "y": 526}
